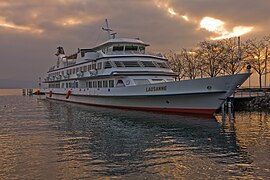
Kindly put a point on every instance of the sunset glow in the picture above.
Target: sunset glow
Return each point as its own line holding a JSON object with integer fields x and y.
{"x": 213, "y": 25}
{"x": 172, "y": 12}
{"x": 10, "y": 25}
{"x": 185, "y": 17}
{"x": 163, "y": 4}
{"x": 71, "y": 22}
{"x": 218, "y": 27}
{"x": 4, "y": 4}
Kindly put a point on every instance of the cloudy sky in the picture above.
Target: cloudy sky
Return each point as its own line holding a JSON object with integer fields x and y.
{"x": 30, "y": 30}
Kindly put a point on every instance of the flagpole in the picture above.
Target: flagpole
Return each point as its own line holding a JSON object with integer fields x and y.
{"x": 239, "y": 53}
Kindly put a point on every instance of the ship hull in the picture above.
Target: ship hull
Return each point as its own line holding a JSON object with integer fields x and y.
{"x": 179, "y": 104}
{"x": 200, "y": 96}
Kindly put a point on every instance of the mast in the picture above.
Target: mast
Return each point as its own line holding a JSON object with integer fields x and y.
{"x": 110, "y": 35}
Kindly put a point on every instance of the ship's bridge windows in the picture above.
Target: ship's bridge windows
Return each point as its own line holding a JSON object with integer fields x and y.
{"x": 120, "y": 83}
{"x": 118, "y": 48}
{"x": 148, "y": 64}
{"x": 141, "y": 81}
{"x": 131, "y": 63}
{"x": 131, "y": 48}
{"x": 108, "y": 64}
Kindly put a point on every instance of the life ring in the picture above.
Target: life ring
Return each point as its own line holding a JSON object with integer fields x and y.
{"x": 68, "y": 94}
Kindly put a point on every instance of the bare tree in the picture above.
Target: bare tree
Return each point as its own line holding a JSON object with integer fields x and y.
{"x": 231, "y": 63}
{"x": 212, "y": 56}
{"x": 267, "y": 42}
{"x": 191, "y": 63}
{"x": 176, "y": 63}
{"x": 257, "y": 51}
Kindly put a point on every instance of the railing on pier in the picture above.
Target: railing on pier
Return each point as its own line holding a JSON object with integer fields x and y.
{"x": 250, "y": 92}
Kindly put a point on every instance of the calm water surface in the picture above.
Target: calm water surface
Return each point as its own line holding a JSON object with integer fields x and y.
{"x": 51, "y": 140}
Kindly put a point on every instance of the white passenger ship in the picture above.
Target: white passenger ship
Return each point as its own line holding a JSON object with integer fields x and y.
{"x": 119, "y": 73}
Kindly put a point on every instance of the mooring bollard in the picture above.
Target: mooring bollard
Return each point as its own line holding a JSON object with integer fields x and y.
{"x": 230, "y": 110}
{"x": 223, "y": 113}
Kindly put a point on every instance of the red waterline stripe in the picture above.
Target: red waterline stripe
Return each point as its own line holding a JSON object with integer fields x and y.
{"x": 172, "y": 110}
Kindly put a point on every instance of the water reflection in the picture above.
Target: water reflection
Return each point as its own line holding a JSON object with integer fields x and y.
{"x": 252, "y": 137}
{"x": 87, "y": 142}
{"x": 117, "y": 143}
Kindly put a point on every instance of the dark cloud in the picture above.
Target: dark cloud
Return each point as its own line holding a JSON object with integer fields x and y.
{"x": 26, "y": 53}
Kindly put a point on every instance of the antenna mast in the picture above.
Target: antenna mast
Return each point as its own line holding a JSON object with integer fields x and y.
{"x": 110, "y": 35}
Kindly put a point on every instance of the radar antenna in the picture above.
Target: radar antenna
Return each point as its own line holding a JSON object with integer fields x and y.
{"x": 110, "y": 35}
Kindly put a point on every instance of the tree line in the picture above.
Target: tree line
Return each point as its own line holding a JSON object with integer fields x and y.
{"x": 213, "y": 58}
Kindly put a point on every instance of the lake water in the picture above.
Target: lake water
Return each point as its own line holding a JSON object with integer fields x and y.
{"x": 51, "y": 140}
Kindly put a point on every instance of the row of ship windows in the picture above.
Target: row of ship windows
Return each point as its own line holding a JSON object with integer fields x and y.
{"x": 64, "y": 85}
{"x": 89, "y": 84}
{"x": 100, "y": 84}
{"x": 111, "y": 64}
{"x": 121, "y": 48}
{"x": 106, "y": 83}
